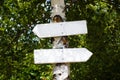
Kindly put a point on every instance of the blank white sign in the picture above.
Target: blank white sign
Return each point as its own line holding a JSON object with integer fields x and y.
{"x": 60, "y": 29}
{"x": 65, "y": 55}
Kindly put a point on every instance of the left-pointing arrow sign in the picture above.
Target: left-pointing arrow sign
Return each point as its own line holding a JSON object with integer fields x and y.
{"x": 60, "y": 29}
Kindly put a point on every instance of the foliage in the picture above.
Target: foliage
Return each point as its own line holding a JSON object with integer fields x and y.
{"x": 103, "y": 39}
{"x": 18, "y": 17}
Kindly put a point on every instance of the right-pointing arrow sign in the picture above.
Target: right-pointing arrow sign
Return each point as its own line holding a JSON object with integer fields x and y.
{"x": 65, "y": 55}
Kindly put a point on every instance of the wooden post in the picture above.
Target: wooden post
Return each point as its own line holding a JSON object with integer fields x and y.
{"x": 61, "y": 71}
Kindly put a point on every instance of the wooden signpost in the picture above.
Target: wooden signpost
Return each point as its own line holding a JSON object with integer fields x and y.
{"x": 60, "y": 55}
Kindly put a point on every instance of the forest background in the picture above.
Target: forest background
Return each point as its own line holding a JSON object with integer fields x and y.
{"x": 17, "y": 41}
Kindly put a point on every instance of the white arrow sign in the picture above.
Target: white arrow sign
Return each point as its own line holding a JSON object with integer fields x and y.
{"x": 60, "y": 29}
{"x": 65, "y": 55}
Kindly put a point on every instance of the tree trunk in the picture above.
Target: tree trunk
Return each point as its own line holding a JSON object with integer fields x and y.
{"x": 61, "y": 71}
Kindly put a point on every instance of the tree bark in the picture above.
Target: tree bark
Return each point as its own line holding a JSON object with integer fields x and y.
{"x": 61, "y": 71}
